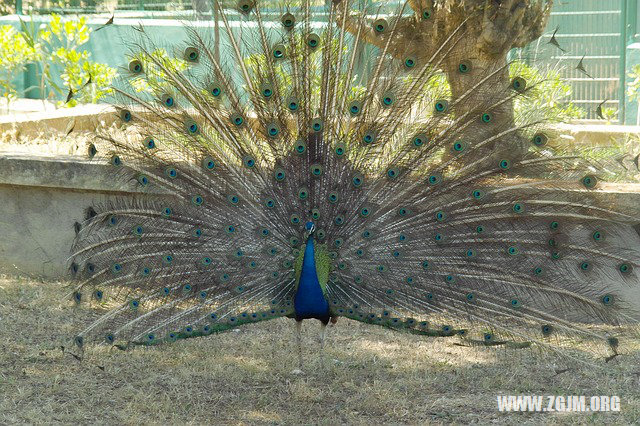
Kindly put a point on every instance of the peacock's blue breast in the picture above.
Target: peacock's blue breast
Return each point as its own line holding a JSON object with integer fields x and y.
{"x": 309, "y": 301}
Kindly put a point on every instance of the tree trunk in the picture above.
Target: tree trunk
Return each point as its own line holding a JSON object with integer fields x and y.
{"x": 490, "y": 73}
{"x": 489, "y": 30}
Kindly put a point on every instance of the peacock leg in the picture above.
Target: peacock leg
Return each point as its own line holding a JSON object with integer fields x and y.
{"x": 299, "y": 342}
{"x": 323, "y": 334}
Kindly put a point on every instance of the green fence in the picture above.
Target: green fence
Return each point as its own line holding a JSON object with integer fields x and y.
{"x": 596, "y": 31}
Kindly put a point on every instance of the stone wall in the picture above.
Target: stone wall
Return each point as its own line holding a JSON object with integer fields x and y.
{"x": 41, "y": 198}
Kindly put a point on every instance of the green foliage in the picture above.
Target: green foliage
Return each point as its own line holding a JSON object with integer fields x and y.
{"x": 60, "y": 42}
{"x": 154, "y": 79}
{"x": 56, "y": 49}
{"x": 548, "y": 95}
{"x": 633, "y": 88}
{"x": 610, "y": 114}
{"x": 14, "y": 54}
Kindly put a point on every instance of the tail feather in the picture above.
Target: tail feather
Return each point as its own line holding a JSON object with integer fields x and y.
{"x": 432, "y": 208}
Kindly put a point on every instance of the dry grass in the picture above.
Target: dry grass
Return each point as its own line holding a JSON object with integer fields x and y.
{"x": 366, "y": 375}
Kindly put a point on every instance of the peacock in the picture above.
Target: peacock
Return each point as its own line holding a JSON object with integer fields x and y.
{"x": 287, "y": 178}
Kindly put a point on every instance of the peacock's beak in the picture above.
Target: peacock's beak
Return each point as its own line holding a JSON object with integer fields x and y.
{"x": 309, "y": 229}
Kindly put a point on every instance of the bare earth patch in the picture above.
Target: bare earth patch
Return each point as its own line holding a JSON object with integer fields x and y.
{"x": 365, "y": 375}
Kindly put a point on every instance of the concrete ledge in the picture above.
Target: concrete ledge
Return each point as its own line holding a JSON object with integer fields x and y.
{"x": 34, "y": 119}
{"x": 88, "y": 117}
{"x": 43, "y": 197}
{"x": 597, "y": 134}
{"x": 61, "y": 173}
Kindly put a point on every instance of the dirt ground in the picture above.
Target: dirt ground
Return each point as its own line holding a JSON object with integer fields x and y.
{"x": 365, "y": 375}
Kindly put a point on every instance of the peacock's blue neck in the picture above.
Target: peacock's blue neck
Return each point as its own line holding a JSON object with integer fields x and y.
{"x": 309, "y": 301}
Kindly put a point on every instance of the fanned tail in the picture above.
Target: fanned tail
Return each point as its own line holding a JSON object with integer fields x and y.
{"x": 432, "y": 209}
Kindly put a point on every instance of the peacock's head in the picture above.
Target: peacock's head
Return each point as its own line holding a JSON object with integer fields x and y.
{"x": 309, "y": 229}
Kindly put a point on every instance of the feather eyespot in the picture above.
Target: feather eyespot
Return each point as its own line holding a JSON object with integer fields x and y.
{"x": 237, "y": 119}
{"x": 625, "y": 268}
{"x": 317, "y": 125}
{"x": 387, "y": 99}
{"x": 355, "y": 107}
{"x": 279, "y": 174}
{"x": 167, "y": 100}
{"x": 519, "y": 84}
{"x": 208, "y": 163}
{"x": 192, "y": 127}
{"x": 585, "y": 266}
{"x": 245, "y": 6}
{"x": 464, "y": 67}
{"x": 369, "y": 137}
{"x": 273, "y": 130}
{"x": 171, "y": 172}
{"x": 215, "y": 90}
{"x": 589, "y": 181}
{"x": 249, "y": 161}
{"x": 191, "y": 54}
{"x": 316, "y": 170}
{"x": 539, "y": 139}
{"x": 135, "y": 66}
{"x": 313, "y": 41}
{"x": 435, "y": 179}
{"x": 419, "y": 140}
{"x": 278, "y": 51}
{"x": 125, "y": 115}
{"x": 441, "y": 106}
{"x": 288, "y": 21}
{"x": 380, "y": 25}
{"x": 267, "y": 90}
{"x": 410, "y": 62}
